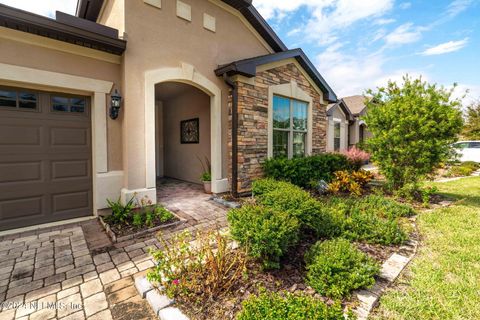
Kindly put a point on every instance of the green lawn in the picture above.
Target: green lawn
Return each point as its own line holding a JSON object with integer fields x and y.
{"x": 443, "y": 280}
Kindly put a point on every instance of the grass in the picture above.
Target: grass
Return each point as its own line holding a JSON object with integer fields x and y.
{"x": 443, "y": 281}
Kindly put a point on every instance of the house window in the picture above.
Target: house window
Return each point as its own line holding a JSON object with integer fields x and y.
{"x": 336, "y": 136}
{"x": 68, "y": 104}
{"x": 18, "y": 99}
{"x": 290, "y": 119}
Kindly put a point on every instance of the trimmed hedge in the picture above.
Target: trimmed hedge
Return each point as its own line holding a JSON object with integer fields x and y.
{"x": 335, "y": 268}
{"x": 307, "y": 171}
{"x": 274, "y": 306}
{"x": 373, "y": 219}
{"x": 266, "y": 233}
{"x": 295, "y": 201}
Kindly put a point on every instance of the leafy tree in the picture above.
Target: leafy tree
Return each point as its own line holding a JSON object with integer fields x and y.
{"x": 472, "y": 124}
{"x": 413, "y": 126}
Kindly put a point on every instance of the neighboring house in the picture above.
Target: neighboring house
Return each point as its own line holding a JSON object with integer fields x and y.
{"x": 198, "y": 78}
{"x": 345, "y": 127}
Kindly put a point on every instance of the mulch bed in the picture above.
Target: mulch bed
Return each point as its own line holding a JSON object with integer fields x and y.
{"x": 289, "y": 278}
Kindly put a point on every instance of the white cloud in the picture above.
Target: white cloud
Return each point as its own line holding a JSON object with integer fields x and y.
{"x": 349, "y": 74}
{"x": 450, "y": 46}
{"x": 382, "y": 22}
{"x": 458, "y": 6}
{"x": 405, "y": 5}
{"x": 403, "y": 34}
{"x": 327, "y": 16}
{"x": 354, "y": 74}
{"x": 44, "y": 7}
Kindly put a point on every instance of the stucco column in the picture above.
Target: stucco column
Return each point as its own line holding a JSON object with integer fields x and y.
{"x": 138, "y": 136}
{"x": 99, "y": 128}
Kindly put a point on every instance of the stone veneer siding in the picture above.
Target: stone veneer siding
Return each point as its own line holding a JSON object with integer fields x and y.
{"x": 253, "y": 121}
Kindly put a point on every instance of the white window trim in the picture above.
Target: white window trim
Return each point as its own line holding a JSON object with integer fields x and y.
{"x": 339, "y": 122}
{"x": 289, "y": 90}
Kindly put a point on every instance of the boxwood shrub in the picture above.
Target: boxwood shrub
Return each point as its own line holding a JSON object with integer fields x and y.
{"x": 336, "y": 267}
{"x": 286, "y": 306}
{"x": 373, "y": 219}
{"x": 295, "y": 201}
{"x": 267, "y": 233}
{"x": 306, "y": 171}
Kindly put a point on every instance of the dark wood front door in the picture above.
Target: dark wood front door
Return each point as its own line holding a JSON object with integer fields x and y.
{"x": 45, "y": 157}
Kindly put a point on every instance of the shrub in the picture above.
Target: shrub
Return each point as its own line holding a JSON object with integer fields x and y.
{"x": 275, "y": 306}
{"x": 137, "y": 219}
{"x": 357, "y": 157}
{"x": 413, "y": 126}
{"x": 200, "y": 272}
{"x": 288, "y": 198}
{"x": 416, "y": 192}
{"x": 266, "y": 233}
{"x": 471, "y": 164}
{"x": 262, "y": 186}
{"x": 459, "y": 171}
{"x": 163, "y": 214}
{"x": 120, "y": 212}
{"x": 373, "y": 219}
{"x": 350, "y": 182}
{"x": 384, "y": 207}
{"x": 307, "y": 171}
{"x": 336, "y": 267}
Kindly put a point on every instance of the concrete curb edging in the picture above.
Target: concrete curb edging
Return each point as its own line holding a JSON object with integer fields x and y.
{"x": 390, "y": 270}
{"x": 116, "y": 239}
{"x": 161, "y": 305}
{"x": 223, "y": 202}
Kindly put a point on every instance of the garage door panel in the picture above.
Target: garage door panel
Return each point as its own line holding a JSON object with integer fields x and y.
{"x": 45, "y": 165}
{"x": 17, "y": 135}
{"x": 64, "y": 202}
{"x": 14, "y": 172}
{"x": 69, "y": 137}
{"x": 70, "y": 169}
{"x": 13, "y": 209}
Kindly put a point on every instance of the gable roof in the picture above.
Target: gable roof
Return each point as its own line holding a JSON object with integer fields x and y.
{"x": 248, "y": 68}
{"x": 339, "y": 104}
{"x": 90, "y": 9}
{"x": 356, "y": 104}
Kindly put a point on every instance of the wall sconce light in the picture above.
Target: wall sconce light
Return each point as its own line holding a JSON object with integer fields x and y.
{"x": 115, "y": 103}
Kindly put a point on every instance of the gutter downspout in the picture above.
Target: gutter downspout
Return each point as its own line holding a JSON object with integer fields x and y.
{"x": 234, "y": 88}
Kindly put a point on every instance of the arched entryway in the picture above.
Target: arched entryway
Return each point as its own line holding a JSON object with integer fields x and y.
{"x": 186, "y": 75}
{"x": 183, "y": 142}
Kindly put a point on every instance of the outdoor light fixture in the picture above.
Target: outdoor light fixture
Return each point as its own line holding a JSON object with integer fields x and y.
{"x": 115, "y": 102}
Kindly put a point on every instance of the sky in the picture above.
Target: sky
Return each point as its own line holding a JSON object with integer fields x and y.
{"x": 361, "y": 44}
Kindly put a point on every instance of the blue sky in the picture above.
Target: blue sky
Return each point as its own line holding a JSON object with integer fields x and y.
{"x": 360, "y": 44}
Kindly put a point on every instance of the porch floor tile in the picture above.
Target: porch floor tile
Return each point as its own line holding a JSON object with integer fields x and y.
{"x": 79, "y": 268}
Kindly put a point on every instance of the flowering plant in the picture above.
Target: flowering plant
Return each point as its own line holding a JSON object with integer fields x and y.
{"x": 357, "y": 157}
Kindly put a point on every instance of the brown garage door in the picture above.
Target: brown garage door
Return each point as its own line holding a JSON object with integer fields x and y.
{"x": 45, "y": 157}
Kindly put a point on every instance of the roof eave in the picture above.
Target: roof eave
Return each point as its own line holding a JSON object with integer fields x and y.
{"x": 247, "y": 67}
{"x": 64, "y": 30}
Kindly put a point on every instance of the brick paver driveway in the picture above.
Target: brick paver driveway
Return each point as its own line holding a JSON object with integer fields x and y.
{"x": 74, "y": 272}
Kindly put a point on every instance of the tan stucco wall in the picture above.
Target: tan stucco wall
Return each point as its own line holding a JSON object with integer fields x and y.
{"x": 113, "y": 15}
{"x": 49, "y": 59}
{"x": 181, "y": 160}
{"x": 157, "y": 38}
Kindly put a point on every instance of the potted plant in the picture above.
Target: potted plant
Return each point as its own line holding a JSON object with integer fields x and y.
{"x": 206, "y": 176}
{"x": 207, "y": 181}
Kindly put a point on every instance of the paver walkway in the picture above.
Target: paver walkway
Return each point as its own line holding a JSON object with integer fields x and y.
{"x": 75, "y": 272}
